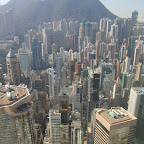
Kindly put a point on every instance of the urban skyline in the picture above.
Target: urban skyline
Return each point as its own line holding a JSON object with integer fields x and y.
{"x": 72, "y": 81}
{"x": 116, "y": 7}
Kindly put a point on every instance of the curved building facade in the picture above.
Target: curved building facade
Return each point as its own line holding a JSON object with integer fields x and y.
{"x": 16, "y": 116}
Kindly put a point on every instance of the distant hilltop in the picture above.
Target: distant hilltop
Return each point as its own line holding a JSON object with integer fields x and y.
{"x": 29, "y": 13}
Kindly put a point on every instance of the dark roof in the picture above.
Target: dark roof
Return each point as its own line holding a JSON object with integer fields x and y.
{"x": 11, "y": 55}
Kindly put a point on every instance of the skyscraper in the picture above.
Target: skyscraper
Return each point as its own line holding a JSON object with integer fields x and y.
{"x": 1, "y": 74}
{"x": 114, "y": 31}
{"x": 114, "y": 126}
{"x": 36, "y": 54}
{"x": 24, "y": 58}
{"x": 13, "y": 68}
{"x": 134, "y": 18}
{"x": 136, "y": 108}
{"x": 7, "y": 23}
{"x": 16, "y": 115}
{"x": 76, "y": 133}
{"x": 55, "y": 122}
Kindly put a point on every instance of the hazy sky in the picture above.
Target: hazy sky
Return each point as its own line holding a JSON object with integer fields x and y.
{"x": 2, "y": 2}
{"x": 122, "y": 8}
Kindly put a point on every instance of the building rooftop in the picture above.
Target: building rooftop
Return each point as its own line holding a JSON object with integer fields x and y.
{"x": 76, "y": 123}
{"x": 10, "y": 94}
{"x": 11, "y": 55}
{"x": 139, "y": 90}
{"x": 115, "y": 118}
{"x": 115, "y": 115}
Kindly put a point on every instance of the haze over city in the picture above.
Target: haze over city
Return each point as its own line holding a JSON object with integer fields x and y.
{"x": 71, "y": 72}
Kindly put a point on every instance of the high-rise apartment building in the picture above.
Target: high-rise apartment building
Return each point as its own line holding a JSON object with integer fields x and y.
{"x": 7, "y": 23}
{"x": 52, "y": 80}
{"x": 114, "y": 31}
{"x": 13, "y": 68}
{"x": 115, "y": 126}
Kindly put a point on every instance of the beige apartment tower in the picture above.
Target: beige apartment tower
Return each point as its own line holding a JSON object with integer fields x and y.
{"x": 13, "y": 68}
{"x": 114, "y": 126}
{"x": 16, "y": 115}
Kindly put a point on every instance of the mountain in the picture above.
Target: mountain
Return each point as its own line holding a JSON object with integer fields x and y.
{"x": 30, "y": 13}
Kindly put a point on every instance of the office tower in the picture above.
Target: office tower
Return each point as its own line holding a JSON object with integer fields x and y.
{"x": 16, "y": 115}
{"x": 55, "y": 122}
{"x": 114, "y": 31}
{"x": 136, "y": 108}
{"x": 36, "y": 54}
{"x": 137, "y": 55}
{"x": 63, "y": 102}
{"x": 93, "y": 90}
{"x": 114, "y": 126}
{"x": 13, "y": 68}
{"x": 76, "y": 133}
{"x": 77, "y": 98}
{"x": 1, "y": 74}
{"x": 134, "y": 18}
{"x": 24, "y": 59}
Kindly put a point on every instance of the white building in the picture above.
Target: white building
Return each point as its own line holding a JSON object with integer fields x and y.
{"x": 55, "y": 122}
{"x": 76, "y": 133}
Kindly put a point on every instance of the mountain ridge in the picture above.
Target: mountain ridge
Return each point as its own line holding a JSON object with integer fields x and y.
{"x": 33, "y": 12}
